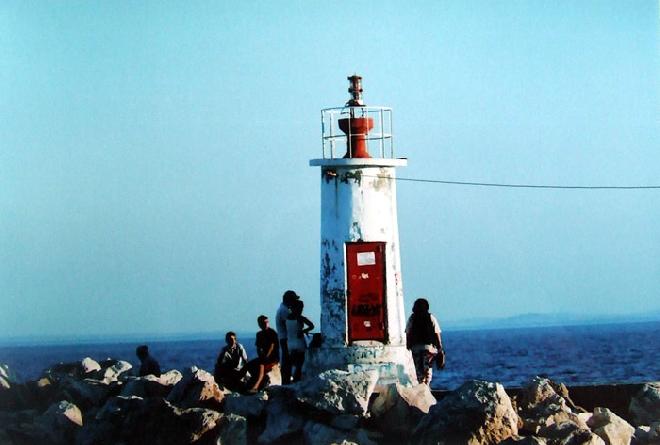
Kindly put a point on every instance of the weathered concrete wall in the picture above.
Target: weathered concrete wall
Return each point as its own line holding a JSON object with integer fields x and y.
{"x": 393, "y": 363}
{"x": 358, "y": 204}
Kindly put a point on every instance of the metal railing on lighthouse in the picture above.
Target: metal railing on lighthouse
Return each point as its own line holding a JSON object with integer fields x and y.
{"x": 356, "y": 130}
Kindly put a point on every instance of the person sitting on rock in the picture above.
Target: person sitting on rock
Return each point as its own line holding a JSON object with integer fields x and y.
{"x": 149, "y": 365}
{"x": 229, "y": 367}
{"x": 297, "y": 326}
{"x": 423, "y": 339}
{"x": 267, "y": 354}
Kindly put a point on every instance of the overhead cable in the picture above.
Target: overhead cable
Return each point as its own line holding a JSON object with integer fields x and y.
{"x": 533, "y": 186}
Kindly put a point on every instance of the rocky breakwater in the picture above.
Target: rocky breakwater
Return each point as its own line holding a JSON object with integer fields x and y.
{"x": 102, "y": 403}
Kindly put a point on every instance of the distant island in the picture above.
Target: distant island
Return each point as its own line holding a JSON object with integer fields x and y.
{"x": 530, "y": 320}
{"x": 537, "y": 320}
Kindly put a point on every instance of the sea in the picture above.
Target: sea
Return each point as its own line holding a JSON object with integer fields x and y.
{"x": 574, "y": 355}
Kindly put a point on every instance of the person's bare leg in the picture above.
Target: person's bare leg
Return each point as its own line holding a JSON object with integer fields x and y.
{"x": 257, "y": 382}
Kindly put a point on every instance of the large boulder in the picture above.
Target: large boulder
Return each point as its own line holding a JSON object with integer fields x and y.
{"x": 231, "y": 430}
{"x": 316, "y": 433}
{"x": 338, "y": 392}
{"x": 540, "y": 406}
{"x": 134, "y": 420}
{"x": 146, "y": 386}
{"x": 610, "y": 427}
{"x": 477, "y": 413}
{"x": 647, "y": 435}
{"x": 85, "y": 368}
{"x": 37, "y": 395}
{"x": 644, "y": 407}
{"x": 284, "y": 417}
{"x": 170, "y": 378}
{"x": 112, "y": 370}
{"x": 197, "y": 388}
{"x": 89, "y": 365}
{"x": 569, "y": 433}
{"x": 398, "y": 409}
{"x": 85, "y": 393}
{"x": 246, "y": 406}
{"x": 61, "y": 422}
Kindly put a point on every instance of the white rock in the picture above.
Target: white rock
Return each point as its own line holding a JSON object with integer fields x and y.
{"x": 398, "y": 409}
{"x": 274, "y": 376}
{"x": 338, "y": 392}
{"x": 540, "y": 406}
{"x": 476, "y": 413}
{"x": 61, "y": 421}
{"x": 197, "y": 388}
{"x": 170, "y": 378}
{"x": 65, "y": 412}
{"x": 88, "y": 365}
{"x": 610, "y": 427}
{"x": 584, "y": 417}
{"x": 112, "y": 373}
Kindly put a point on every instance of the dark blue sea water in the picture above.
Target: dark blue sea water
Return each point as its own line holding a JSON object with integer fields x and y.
{"x": 574, "y": 355}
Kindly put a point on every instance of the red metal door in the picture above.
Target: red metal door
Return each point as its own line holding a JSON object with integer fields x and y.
{"x": 365, "y": 269}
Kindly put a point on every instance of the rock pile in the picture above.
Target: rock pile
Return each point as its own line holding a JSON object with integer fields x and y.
{"x": 89, "y": 403}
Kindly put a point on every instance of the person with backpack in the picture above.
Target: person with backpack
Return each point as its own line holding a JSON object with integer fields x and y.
{"x": 424, "y": 341}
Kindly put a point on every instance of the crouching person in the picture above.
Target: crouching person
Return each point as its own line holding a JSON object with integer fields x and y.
{"x": 230, "y": 366}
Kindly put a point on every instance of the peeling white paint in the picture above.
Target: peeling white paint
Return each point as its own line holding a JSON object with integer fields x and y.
{"x": 358, "y": 203}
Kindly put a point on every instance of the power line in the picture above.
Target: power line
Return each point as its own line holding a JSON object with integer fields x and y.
{"x": 532, "y": 186}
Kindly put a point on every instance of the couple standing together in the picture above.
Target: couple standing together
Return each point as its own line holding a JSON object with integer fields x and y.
{"x": 292, "y": 327}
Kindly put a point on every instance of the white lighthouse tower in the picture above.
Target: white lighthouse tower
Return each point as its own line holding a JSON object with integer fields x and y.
{"x": 362, "y": 313}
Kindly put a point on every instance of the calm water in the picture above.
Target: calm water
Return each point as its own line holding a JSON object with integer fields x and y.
{"x": 573, "y": 355}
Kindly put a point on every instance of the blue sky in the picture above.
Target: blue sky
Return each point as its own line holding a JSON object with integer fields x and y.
{"x": 154, "y": 156}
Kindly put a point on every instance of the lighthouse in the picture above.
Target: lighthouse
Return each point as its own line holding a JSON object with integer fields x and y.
{"x": 362, "y": 312}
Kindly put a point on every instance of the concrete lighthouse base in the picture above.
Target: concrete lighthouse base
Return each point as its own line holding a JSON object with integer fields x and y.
{"x": 393, "y": 363}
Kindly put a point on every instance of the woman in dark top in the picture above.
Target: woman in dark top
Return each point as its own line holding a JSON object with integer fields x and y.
{"x": 423, "y": 340}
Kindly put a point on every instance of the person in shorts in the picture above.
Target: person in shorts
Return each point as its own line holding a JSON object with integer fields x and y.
{"x": 424, "y": 341}
{"x": 268, "y": 354}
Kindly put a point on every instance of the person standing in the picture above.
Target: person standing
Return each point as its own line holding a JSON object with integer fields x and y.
{"x": 148, "y": 365}
{"x": 297, "y": 326}
{"x": 280, "y": 323}
{"x": 424, "y": 341}
{"x": 229, "y": 366}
